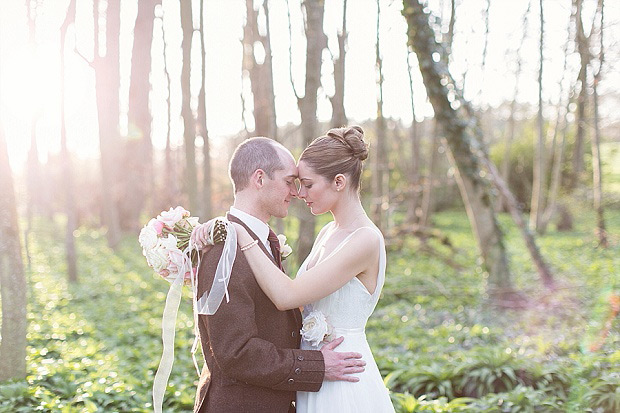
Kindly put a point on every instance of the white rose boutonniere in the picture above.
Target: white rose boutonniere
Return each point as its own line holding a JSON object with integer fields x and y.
{"x": 316, "y": 328}
{"x": 285, "y": 249}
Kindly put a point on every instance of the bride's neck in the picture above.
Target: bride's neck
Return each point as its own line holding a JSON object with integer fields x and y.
{"x": 348, "y": 212}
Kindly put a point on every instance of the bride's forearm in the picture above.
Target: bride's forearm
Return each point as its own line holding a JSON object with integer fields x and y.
{"x": 274, "y": 283}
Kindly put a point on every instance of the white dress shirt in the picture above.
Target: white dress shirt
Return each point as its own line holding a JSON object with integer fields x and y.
{"x": 256, "y": 225}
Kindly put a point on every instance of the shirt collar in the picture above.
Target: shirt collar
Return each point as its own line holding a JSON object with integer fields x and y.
{"x": 256, "y": 225}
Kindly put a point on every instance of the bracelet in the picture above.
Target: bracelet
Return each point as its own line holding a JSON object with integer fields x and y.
{"x": 250, "y": 245}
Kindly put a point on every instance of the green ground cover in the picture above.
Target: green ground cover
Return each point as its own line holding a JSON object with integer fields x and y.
{"x": 440, "y": 344}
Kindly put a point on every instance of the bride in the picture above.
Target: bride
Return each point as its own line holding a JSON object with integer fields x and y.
{"x": 339, "y": 283}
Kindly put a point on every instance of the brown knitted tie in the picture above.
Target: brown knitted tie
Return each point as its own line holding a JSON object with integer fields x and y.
{"x": 274, "y": 242}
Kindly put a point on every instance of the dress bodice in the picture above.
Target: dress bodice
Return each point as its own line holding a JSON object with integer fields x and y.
{"x": 350, "y": 306}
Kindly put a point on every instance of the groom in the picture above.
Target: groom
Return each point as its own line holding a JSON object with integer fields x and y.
{"x": 251, "y": 349}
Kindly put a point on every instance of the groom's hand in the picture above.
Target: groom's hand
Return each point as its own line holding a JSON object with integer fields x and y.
{"x": 340, "y": 366}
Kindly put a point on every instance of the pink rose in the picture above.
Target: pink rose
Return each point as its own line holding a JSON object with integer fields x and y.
{"x": 172, "y": 216}
{"x": 158, "y": 225}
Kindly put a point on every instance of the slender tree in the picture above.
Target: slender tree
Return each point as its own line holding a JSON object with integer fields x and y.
{"x": 339, "y": 117}
{"x": 171, "y": 191}
{"x": 12, "y": 277}
{"x": 106, "y": 65}
{"x": 539, "y": 152}
{"x": 462, "y": 143}
{"x": 67, "y": 171}
{"x": 597, "y": 184}
{"x": 510, "y": 133}
{"x": 380, "y": 175}
{"x": 414, "y": 177}
{"x": 556, "y": 156}
{"x": 260, "y": 70}
{"x": 316, "y": 41}
{"x": 583, "y": 47}
{"x": 207, "y": 208}
{"x": 139, "y": 148}
{"x": 189, "y": 123}
{"x": 34, "y": 175}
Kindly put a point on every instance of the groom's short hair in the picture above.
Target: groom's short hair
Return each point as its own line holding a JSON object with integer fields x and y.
{"x": 250, "y": 155}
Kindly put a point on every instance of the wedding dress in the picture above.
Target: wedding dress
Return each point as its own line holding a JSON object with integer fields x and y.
{"x": 347, "y": 310}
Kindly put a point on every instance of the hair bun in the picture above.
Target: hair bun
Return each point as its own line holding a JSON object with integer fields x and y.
{"x": 353, "y": 137}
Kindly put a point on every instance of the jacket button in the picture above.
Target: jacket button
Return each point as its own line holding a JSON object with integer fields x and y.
{"x": 292, "y": 334}
{"x": 297, "y": 370}
{"x": 300, "y": 358}
{"x": 291, "y": 381}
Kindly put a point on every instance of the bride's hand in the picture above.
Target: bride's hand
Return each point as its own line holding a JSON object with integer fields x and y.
{"x": 200, "y": 235}
{"x": 243, "y": 236}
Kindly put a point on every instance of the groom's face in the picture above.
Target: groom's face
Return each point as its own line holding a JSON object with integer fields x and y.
{"x": 279, "y": 191}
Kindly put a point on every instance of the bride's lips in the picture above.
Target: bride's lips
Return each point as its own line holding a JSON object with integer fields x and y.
{"x": 309, "y": 203}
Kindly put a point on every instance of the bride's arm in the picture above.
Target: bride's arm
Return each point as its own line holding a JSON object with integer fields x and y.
{"x": 360, "y": 253}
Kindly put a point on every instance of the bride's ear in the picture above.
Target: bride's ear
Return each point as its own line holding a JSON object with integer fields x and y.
{"x": 340, "y": 182}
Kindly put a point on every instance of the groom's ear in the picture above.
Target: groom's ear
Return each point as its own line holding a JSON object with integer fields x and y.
{"x": 257, "y": 178}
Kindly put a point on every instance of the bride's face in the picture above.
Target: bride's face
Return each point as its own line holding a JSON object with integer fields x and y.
{"x": 318, "y": 193}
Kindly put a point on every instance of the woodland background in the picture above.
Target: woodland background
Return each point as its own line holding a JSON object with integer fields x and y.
{"x": 494, "y": 173}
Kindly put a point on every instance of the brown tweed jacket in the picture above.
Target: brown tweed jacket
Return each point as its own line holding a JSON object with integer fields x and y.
{"x": 251, "y": 350}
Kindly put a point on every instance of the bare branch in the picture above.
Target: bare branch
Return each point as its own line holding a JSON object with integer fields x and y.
{"x": 290, "y": 51}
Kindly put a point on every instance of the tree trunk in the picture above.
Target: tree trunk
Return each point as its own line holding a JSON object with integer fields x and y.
{"x": 380, "y": 176}
{"x": 539, "y": 155}
{"x": 339, "y": 117}
{"x": 261, "y": 74}
{"x": 207, "y": 209}
{"x": 429, "y": 184}
{"x": 414, "y": 177}
{"x": 556, "y": 174}
{"x": 189, "y": 124}
{"x": 583, "y": 46}
{"x": 12, "y": 277}
{"x": 543, "y": 269}
{"x": 107, "y": 80}
{"x": 462, "y": 145}
{"x": 271, "y": 96}
{"x": 67, "y": 172}
{"x": 139, "y": 150}
{"x": 171, "y": 189}
{"x": 513, "y": 108}
{"x": 597, "y": 184}
{"x": 316, "y": 41}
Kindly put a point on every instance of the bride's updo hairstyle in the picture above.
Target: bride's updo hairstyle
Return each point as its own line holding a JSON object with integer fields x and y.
{"x": 339, "y": 151}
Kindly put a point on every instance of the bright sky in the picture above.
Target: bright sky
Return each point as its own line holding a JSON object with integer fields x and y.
{"x": 30, "y": 78}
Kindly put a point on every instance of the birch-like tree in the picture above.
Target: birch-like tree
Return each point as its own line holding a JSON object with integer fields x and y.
{"x": 339, "y": 117}
{"x": 67, "y": 170}
{"x": 206, "y": 204}
{"x": 316, "y": 41}
{"x": 12, "y": 277}
{"x": 539, "y": 151}
{"x": 189, "y": 123}
{"x": 139, "y": 182}
{"x": 380, "y": 173}
{"x": 462, "y": 144}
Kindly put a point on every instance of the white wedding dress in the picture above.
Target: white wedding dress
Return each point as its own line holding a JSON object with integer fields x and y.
{"x": 347, "y": 310}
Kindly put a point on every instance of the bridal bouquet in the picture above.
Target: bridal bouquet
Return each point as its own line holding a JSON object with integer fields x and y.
{"x": 165, "y": 242}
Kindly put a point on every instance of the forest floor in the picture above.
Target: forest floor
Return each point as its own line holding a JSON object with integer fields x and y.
{"x": 439, "y": 341}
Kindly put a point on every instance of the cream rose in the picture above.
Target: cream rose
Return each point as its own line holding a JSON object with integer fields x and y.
{"x": 285, "y": 249}
{"x": 157, "y": 258}
{"x": 148, "y": 238}
{"x": 315, "y": 328}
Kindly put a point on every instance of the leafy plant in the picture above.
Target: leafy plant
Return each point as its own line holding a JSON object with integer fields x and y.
{"x": 521, "y": 399}
{"x": 490, "y": 371}
{"x": 605, "y": 393}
